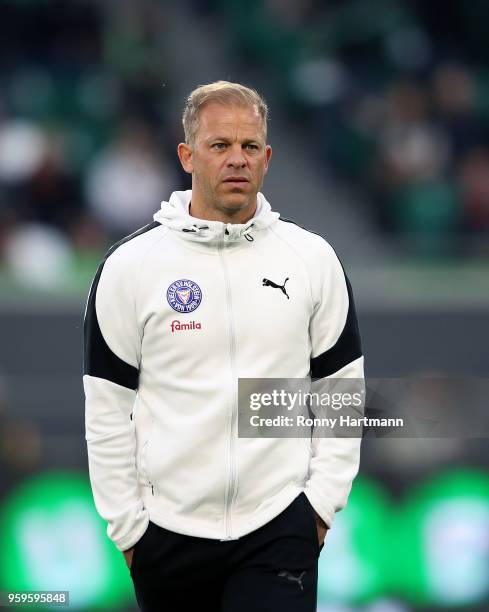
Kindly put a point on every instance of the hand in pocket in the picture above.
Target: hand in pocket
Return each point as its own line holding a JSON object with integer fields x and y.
{"x": 128, "y": 556}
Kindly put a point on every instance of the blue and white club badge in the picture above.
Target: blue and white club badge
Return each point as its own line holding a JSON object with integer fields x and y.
{"x": 184, "y": 295}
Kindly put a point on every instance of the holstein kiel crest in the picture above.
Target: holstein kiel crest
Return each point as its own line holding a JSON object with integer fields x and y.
{"x": 184, "y": 295}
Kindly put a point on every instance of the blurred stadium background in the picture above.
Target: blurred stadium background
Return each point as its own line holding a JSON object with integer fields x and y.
{"x": 380, "y": 129}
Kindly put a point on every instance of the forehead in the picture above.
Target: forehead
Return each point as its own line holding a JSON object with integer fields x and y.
{"x": 221, "y": 119}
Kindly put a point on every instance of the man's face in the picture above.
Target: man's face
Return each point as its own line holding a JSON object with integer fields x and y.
{"x": 228, "y": 158}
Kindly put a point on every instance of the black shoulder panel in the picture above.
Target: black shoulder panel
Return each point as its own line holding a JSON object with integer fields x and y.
{"x": 99, "y": 360}
{"x": 347, "y": 348}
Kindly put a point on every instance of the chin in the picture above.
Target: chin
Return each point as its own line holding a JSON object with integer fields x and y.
{"x": 236, "y": 203}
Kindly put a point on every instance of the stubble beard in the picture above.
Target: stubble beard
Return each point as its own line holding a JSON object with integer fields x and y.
{"x": 215, "y": 202}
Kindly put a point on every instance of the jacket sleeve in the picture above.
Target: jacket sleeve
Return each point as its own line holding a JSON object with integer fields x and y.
{"x": 112, "y": 350}
{"x": 336, "y": 354}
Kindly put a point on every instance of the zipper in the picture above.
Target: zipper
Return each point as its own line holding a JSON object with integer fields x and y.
{"x": 231, "y": 485}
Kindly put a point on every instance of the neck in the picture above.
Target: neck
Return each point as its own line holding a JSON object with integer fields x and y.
{"x": 201, "y": 211}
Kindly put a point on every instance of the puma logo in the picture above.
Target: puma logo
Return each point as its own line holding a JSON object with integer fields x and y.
{"x": 290, "y": 576}
{"x": 269, "y": 283}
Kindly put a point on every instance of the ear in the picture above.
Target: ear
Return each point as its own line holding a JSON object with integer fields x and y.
{"x": 268, "y": 156}
{"x": 185, "y": 156}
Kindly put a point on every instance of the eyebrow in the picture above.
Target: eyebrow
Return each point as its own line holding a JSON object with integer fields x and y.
{"x": 226, "y": 139}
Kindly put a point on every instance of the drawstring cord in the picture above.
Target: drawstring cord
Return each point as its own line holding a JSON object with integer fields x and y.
{"x": 247, "y": 235}
{"x": 195, "y": 229}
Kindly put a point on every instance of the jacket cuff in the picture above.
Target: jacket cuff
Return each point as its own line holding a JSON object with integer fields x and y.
{"x": 134, "y": 536}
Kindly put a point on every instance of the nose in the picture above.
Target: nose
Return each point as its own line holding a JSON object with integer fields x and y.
{"x": 236, "y": 157}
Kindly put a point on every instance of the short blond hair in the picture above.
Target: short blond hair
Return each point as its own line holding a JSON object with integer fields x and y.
{"x": 222, "y": 92}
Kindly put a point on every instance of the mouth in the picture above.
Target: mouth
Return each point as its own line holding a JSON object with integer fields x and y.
{"x": 235, "y": 180}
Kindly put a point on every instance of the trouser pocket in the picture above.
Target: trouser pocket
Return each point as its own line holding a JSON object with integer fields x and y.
{"x": 138, "y": 549}
{"x": 309, "y": 510}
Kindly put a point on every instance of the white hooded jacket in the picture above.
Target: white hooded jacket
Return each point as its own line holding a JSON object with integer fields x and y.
{"x": 176, "y": 314}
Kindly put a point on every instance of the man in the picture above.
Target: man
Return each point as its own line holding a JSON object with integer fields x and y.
{"x": 177, "y": 313}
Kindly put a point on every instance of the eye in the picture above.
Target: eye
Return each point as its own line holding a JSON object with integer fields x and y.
{"x": 219, "y": 146}
{"x": 251, "y": 146}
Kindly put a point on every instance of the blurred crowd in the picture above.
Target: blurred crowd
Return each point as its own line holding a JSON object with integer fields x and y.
{"x": 84, "y": 132}
{"x": 392, "y": 95}
{"x": 396, "y": 100}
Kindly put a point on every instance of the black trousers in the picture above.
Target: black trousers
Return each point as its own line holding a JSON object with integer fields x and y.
{"x": 272, "y": 569}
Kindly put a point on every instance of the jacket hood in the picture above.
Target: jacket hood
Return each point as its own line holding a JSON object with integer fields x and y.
{"x": 174, "y": 214}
